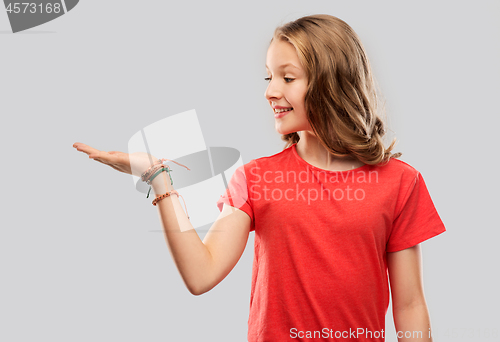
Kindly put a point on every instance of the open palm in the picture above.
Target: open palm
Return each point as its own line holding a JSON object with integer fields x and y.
{"x": 134, "y": 163}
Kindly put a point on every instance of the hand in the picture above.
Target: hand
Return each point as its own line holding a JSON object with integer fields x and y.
{"x": 132, "y": 164}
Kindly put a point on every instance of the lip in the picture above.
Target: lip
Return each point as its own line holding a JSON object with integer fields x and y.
{"x": 282, "y": 114}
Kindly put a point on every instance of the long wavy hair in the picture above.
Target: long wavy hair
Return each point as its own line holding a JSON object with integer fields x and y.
{"x": 341, "y": 99}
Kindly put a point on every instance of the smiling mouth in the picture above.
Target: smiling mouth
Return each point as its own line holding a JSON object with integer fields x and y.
{"x": 282, "y": 110}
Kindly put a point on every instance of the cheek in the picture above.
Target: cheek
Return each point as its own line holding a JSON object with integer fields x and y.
{"x": 300, "y": 96}
{"x": 298, "y": 99}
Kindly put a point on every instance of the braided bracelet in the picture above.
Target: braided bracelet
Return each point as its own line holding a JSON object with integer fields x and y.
{"x": 147, "y": 174}
{"x": 151, "y": 172}
{"x": 159, "y": 162}
{"x": 148, "y": 171}
{"x": 157, "y": 172}
{"x": 151, "y": 179}
{"x": 168, "y": 194}
{"x": 160, "y": 170}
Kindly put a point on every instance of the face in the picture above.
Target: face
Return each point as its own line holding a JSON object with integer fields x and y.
{"x": 287, "y": 88}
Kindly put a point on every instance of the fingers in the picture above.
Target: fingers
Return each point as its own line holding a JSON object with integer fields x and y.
{"x": 93, "y": 153}
{"x": 100, "y": 156}
{"x": 86, "y": 149}
{"x": 80, "y": 146}
{"x": 117, "y": 160}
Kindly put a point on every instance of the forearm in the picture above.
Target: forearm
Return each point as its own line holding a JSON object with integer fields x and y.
{"x": 190, "y": 254}
{"x": 413, "y": 323}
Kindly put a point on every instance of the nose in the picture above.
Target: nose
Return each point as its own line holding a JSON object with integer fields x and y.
{"x": 273, "y": 91}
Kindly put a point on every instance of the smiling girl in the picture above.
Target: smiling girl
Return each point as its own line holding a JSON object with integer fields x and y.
{"x": 336, "y": 215}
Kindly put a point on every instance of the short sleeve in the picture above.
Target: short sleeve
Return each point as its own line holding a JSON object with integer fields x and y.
{"x": 236, "y": 194}
{"x": 418, "y": 219}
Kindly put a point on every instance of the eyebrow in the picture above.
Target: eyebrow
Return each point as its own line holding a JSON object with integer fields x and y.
{"x": 283, "y": 66}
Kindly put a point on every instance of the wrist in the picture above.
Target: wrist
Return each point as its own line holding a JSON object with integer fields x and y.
{"x": 161, "y": 184}
{"x": 147, "y": 174}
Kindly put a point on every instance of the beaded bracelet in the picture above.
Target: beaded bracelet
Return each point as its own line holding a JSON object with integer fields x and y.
{"x": 167, "y": 194}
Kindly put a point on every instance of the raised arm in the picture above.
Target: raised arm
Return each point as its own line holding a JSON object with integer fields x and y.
{"x": 411, "y": 317}
{"x": 201, "y": 264}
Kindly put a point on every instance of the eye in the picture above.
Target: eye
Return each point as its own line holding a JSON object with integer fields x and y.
{"x": 287, "y": 79}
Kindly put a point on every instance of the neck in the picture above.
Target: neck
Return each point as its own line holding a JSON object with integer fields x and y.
{"x": 312, "y": 151}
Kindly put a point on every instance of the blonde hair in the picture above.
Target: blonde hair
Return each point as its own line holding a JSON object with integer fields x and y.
{"x": 341, "y": 99}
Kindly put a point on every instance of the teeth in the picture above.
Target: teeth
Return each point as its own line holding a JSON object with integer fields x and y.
{"x": 282, "y": 110}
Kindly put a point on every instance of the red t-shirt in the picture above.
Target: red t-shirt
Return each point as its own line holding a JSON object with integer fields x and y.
{"x": 321, "y": 237}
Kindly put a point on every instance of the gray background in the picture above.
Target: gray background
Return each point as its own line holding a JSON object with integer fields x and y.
{"x": 82, "y": 258}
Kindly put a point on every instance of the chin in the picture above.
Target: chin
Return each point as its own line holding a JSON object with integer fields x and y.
{"x": 283, "y": 131}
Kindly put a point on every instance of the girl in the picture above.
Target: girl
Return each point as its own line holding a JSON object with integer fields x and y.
{"x": 336, "y": 215}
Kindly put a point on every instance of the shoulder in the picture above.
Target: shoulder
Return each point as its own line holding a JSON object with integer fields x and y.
{"x": 396, "y": 171}
{"x": 397, "y": 166}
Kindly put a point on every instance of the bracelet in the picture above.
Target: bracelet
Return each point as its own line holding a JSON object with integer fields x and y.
{"x": 149, "y": 181}
{"x": 168, "y": 194}
{"x": 158, "y": 171}
{"x": 148, "y": 175}
{"x": 152, "y": 168}
{"x": 148, "y": 171}
{"x": 153, "y": 171}
{"x": 165, "y": 195}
